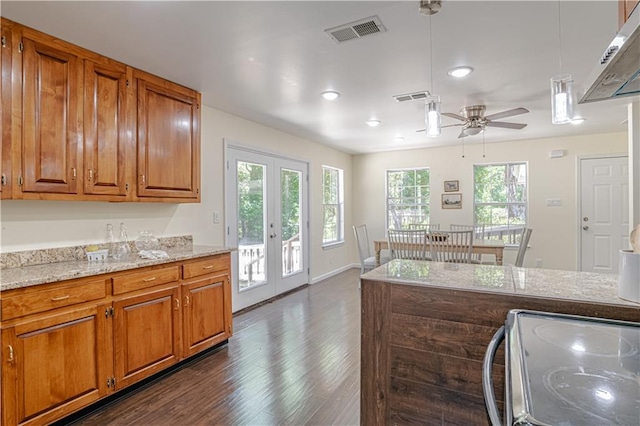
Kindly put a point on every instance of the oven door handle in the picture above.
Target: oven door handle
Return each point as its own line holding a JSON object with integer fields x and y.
{"x": 487, "y": 380}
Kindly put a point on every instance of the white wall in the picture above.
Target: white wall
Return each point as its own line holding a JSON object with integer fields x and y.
{"x": 555, "y": 229}
{"x": 41, "y": 224}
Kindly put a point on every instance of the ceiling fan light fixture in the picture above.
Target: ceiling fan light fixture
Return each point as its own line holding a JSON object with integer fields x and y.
{"x": 578, "y": 120}
{"x": 330, "y": 95}
{"x": 373, "y": 123}
{"x": 460, "y": 72}
{"x": 561, "y": 99}
{"x": 432, "y": 116}
{"x": 472, "y": 131}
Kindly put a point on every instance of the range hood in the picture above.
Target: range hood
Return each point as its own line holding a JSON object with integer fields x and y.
{"x": 618, "y": 72}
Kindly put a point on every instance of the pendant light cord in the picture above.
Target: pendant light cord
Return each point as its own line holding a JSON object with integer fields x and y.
{"x": 559, "y": 40}
{"x": 431, "y": 55}
{"x": 482, "y": 143}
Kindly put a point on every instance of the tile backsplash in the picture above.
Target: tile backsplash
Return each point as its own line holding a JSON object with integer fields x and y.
{"x": 65, "y": 254}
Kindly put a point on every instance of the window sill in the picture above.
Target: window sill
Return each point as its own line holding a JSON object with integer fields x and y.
{"x": 333, "y": 245}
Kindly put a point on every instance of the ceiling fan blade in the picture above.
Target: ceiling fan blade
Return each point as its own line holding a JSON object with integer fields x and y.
{"x": 515, "y": 126}
{"x": 452, "y": 125}
{"x": 421, "y": 130}
{"x": 452, "y": 115}
{"x": 462, "y": 134}
{"x": 508, "y": 113}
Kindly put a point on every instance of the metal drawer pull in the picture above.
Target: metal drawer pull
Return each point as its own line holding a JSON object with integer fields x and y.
{"x": 57, "y": 299}
{"x": 186, "y": 301}
{"x": 207, "y": 267}
{"x": 11, "y": 358}
{"x": 146, "y": 280}
{"x": 177, "y": 303}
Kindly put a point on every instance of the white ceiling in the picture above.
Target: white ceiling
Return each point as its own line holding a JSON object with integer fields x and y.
{"x": 268, "y": 61}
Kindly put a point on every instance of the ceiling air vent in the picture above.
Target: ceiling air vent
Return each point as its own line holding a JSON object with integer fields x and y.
{"x": 416, "y": 96}
{"x": 358, "y": 29}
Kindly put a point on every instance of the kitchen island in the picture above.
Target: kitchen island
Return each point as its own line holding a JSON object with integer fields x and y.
{"x": 426, "y": 325}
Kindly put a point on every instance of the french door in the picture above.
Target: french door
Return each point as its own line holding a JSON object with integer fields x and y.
{"x": 267, "y": 220}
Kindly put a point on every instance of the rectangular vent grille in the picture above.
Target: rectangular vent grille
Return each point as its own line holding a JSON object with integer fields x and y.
{"x": 358, "y": 29}
{"x": 417, "y": 96}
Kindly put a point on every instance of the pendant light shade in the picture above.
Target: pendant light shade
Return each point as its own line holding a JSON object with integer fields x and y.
{"x": 561, "y": 99}
{"x": 432, "y": 116}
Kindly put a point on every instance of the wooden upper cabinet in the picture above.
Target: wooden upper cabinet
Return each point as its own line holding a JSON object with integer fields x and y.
{"x": 106, "y": 143}
{"x": 168, "y": 139}
{"x": 50, "y": 116}
{"x": 5, "y": 109}
{"x": 625, "y": 9}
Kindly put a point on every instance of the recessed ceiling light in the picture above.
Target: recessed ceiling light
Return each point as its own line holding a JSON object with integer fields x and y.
{"x": 373, "y": 123}
{"x": 330, "y": 95}
{"x": 578, "y": 120}
{"x": 460, "y": 72}
{"x": 398, "y": 139}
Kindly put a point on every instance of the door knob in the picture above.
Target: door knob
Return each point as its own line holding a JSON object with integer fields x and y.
{"x": 585, "y": 228}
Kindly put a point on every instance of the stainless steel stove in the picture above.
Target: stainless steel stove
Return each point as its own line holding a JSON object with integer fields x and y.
{"x": 567, "y": 370}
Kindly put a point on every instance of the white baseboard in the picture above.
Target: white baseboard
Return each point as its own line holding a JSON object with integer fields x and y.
{"x": 334, "y": 272}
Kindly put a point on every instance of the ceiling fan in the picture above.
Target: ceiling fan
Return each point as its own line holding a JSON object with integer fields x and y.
{"x": 474, "y": 120}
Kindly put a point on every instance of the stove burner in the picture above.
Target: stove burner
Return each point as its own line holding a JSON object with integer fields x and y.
{"x": 594, "y": 394}
{"x": 582, "y": 339}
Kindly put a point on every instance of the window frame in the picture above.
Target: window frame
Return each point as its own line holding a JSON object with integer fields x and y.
{"x": 515, "y": 243}
{"x": 339, "y": 207}
{"x": 386, "y": 186}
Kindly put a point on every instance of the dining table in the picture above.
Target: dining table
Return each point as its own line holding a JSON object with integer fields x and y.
{"x": 495, "y": 247}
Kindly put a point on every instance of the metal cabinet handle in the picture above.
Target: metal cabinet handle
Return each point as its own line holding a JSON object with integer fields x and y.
{"x": 57, "y": 299}
{"x": 207, "y": 267}
{"x": 147, "y": 280}
{"x": 11, "y": 357}
{"x": 75, "y": 173}
{"x": 186, "y": 301}
{"x": 90, "y": 174}
{"x": 177, "y": 303}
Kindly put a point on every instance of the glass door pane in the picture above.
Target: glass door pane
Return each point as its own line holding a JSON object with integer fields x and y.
{"x": 290, "y": 196}
{"x": 252, "y": 253}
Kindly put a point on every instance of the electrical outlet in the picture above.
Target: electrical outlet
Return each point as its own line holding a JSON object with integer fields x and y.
{"x": 216, "y": 217}
{"x": 538, "y": 263}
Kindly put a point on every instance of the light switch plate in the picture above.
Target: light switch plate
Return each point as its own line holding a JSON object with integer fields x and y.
{"x": 216, "y": 217}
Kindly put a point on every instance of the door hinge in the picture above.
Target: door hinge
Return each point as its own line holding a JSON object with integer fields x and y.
{"x": 20, "y": 47}
{"x": 126, "y": 187}
{"x": 127, "y": 83}
{"x": 228, "y": 229}
{"x": 4, "y": 41}
{"x": 197, "y": 190}
{"x": 108, "y": 312}
{"x": 4, "y": 179}
{"x": 227, "y": 164}
{"x": 308, "y": 270}
{"x": 20, "y": 180}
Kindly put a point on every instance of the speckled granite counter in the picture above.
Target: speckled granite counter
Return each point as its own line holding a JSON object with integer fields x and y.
{"x": 426, "y": 325}
{"x": 12, "y": 278}
{"x": 546, "y": 283}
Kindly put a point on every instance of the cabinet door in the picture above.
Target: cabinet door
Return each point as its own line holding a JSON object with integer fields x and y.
{"x": 206, "y": 313}
{"x": 5, "y": 109}
{"x": 50, "y": 118}
{"x": 168, "y": 139}
{"x": 146, "y": 334}
{"x": 106, "y": 143}
{"x": 54, "y": 365}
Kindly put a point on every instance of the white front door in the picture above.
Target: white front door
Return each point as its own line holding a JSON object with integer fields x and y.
{"x": 267, "y": 220}
{"x": 604, "y": 212}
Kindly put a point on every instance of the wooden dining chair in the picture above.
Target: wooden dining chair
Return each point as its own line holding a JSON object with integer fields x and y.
{"x": 408, "y": 244}
{"x": 451, "y": 246}
{"x": 427, "y": 227}
{"x": 478, "y": 234}
{"x": 522, "y": 248}
{"x": 367, "y": 261}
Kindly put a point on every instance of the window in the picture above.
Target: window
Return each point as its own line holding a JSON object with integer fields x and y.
{"x": 500, "y": 200}
{"x": 333, "y": 205}
{"x": 408, "y": 195}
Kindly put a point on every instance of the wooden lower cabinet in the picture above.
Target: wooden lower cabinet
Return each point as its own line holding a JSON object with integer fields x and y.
{"x": 146, "y": 334}
{"x": 206, "y": 314}
{"x": 55, "y": 365}
{"x": 66, "y": 345}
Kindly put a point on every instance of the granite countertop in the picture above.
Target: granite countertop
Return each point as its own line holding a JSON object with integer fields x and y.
{"x": 546, "y": 283}
{"x": 25, "y": 276}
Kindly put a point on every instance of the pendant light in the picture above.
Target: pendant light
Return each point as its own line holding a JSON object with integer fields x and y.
{"x": 561, "y": 88}
{"x": 432, "y": 115}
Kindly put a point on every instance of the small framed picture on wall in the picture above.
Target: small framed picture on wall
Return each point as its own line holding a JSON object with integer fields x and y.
{"x": 451, "y": 186}
{"x": 451, "y": 201}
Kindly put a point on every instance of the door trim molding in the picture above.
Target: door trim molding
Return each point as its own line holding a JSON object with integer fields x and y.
{"x": 578, "y": 215}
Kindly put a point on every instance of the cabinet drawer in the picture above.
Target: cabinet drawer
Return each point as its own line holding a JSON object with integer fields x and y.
{"x": 52, "y": 298}
{"x": 206, "y": 266}
{"x": 136, "y": 281}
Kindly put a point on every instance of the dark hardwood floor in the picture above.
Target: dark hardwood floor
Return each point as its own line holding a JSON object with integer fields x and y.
{"x": 291, "y": 362}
